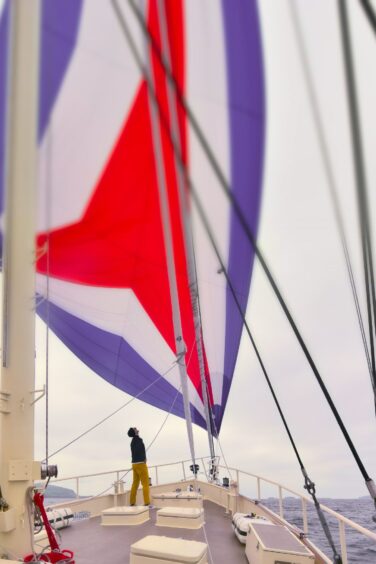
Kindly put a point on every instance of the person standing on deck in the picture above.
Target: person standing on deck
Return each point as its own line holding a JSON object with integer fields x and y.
{"x": 139, "y": 467}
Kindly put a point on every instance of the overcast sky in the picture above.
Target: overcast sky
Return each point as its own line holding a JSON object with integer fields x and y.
{"x": 300, "y": 241}
{"x": 301, "y": 244}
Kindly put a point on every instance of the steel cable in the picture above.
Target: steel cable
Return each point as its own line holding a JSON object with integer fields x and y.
{"x": 224, "y": 184}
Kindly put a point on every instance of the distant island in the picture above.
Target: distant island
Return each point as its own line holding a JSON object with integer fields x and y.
{"x": 58, "y": 491}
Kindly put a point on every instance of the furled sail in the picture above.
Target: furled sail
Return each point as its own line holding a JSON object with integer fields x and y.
{"x": 101, "y": 268}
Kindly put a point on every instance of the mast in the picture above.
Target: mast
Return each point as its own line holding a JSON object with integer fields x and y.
{"x": 17, "y": 373}
{"x": 187, "y": 228}
{"x": 167, "y": 234}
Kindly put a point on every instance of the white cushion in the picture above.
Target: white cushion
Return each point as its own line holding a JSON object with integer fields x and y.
{"x": 186, "y": 512}
{"x": 125, "y": 510}
{"x": 179, "y": 550}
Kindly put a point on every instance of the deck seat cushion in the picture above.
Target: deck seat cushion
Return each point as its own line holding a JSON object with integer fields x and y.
{"x": 176, "y": 550}
{"x": 125, "y": 510}
{"x": 186, "y": 512}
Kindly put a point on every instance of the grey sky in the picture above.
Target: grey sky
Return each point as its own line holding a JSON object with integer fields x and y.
{"x": 301, "y": 244}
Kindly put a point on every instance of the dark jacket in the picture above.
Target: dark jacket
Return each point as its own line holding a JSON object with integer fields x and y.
{"x": 138, "y": 450}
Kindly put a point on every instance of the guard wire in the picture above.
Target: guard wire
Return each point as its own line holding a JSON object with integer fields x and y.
{"x": 224, "y": 184}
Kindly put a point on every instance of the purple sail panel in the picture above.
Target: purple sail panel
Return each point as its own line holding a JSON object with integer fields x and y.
{"x": 60, "y": 25}
{"x": 115, "y": 360}
{"x": 108, "y": 286}
{"x": 59, "y": 30}
{"x": 247, "y": 130}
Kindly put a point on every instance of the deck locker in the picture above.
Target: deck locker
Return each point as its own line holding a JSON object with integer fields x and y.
{"x": 275, "y": 544}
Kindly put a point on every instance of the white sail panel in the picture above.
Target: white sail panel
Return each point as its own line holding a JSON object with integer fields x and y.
{"x": 101, "y": 230}
{"x": 207, "y": 97}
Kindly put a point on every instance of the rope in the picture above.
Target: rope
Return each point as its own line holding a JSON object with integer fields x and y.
{"x": 223, "y": 182}
{"x": 122, "y": 407}
{"x": 111, "y": 414}
{"x": 186, "y": 223}
{"x": 147, "y": 448}
{"x": 208, "y": 230}
{"x": 220, "y": 446}
{"x": 323, "y": 147}
{"x": 48, "y": 259}
{"x": 165, "y": 421}
{"x": 369, "y": 12}
{"x": 211, "y": 559}
{"x": 310, "y": 487}
{"x": 361, "y": 181}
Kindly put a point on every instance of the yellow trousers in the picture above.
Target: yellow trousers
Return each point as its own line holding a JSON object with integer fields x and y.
{"x": 140, "y": 474}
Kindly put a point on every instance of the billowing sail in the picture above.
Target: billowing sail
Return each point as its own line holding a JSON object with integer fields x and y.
{"x": 102, "y": 271}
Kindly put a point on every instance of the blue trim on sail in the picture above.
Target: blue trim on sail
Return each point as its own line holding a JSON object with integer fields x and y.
{"x": 60, "y": 25}
{"x": 245, "y": 82}
{"x": 114, "y": 360}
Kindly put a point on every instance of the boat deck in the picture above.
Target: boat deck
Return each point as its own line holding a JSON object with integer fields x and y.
{"x": 94, "y": 544}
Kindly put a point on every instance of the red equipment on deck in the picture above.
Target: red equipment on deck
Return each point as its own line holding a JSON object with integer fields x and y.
{"x": 56, "y": 555}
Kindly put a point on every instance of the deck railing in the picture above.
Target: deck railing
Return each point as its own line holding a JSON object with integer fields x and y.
{"x": 117, "y": 476}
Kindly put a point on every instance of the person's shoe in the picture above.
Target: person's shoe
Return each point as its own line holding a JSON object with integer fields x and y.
{"x": 132, "y": 504}
{"x": 149, "y": 505}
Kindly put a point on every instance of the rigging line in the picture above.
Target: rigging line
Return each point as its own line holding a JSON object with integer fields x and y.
{"x": 122, "y": 406}
{"x": 147, "y": 448}
{"x": 48, "y": 259}
{"x": 173, "y": 403}
{"x": 369, "y": 12}
{"x": 310, "y": 487}
{"x": 160, "y": 169}
{"x": 211, "y": 559}
{"x": 113, "y": 413}
{"x": 158, "y": 432}
{"x": 324, "y": 151}
{"x": 360, "y": 177}
{"x": 165, "y": 420}
{"x": 222, "y": 180}
{"x": 246, "y": 326}
{"x": 220, "y": 446}
{"x": 186, "y": 223}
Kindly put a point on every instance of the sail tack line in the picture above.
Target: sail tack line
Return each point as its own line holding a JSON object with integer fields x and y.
{"x": 239, "y": 213}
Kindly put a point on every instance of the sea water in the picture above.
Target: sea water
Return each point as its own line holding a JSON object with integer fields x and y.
{"x": 360, "y": 549}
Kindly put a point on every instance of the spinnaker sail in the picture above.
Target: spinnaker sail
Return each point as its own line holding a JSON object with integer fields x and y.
{"x": 101, "y": 269}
